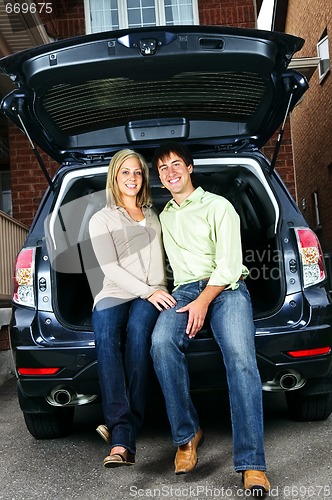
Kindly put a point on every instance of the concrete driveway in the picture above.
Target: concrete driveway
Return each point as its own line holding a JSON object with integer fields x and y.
{"x": 299, "y": 457}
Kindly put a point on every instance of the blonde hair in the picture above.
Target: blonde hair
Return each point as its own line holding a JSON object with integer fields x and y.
{"x": 113, "y": 195}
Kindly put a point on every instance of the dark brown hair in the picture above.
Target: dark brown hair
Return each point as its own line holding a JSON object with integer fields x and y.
{"x": 165, "y": 149}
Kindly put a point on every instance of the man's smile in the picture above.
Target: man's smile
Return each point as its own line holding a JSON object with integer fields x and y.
{"x": 174, "y": 181}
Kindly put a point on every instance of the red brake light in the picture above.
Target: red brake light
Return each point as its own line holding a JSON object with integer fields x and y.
{"x": 24, "y": 293}
{"x": 38, "y": 371}
{"x": 304, "y": 353}
{"x": 313, "y": 267}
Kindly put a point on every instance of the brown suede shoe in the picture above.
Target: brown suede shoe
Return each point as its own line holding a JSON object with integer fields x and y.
{"x": 256, "y": 481}
{"x": 186, "y": 456}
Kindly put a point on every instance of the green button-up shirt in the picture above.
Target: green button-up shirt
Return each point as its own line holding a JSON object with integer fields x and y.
{"x": 202, "y": 240}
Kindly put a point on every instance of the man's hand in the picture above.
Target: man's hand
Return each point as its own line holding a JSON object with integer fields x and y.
{"x": 198, "y": 309}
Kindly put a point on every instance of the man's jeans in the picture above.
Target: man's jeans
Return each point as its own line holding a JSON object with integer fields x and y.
{"x": 123, "y": 341}
{"x": 231, "y": 320}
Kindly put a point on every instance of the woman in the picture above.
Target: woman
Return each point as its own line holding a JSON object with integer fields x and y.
{"x": 126, "y": 239}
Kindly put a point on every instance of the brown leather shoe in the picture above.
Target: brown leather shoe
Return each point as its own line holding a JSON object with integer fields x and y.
{"x": 118, "y": 459}
{"x": 256, "y": 481}
{"x": 104, "y": 432}
{"x": 186, "y": 456}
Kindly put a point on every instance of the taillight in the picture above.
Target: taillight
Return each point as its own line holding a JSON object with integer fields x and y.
{"x": 24, "y": 293}
{"x": 313, "y": 268}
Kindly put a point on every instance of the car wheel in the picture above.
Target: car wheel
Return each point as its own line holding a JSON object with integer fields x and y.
{"x": 50, "y": 425}
{"x": 309, "y": 408}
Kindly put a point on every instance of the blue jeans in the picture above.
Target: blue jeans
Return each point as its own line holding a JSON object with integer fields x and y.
{"x": 231, "y": 320}
{"x": 123, "y": 341}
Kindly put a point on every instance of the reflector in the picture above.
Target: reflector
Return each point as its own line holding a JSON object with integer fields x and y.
{"x": 38, "y": 371}
{"x": 304, "y": 353}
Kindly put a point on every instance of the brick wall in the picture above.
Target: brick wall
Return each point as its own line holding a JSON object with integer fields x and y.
{"x": 312, "y": 119}
{"x": 227, "y": 12}
{"x": 28, "y": 182}
{"x": 67, "y": 19}
{"x": 284, "y": 163}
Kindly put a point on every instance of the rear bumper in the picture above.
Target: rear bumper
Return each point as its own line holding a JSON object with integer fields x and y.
{"x": 79, "y": 367}
{"x": 207, "y": 368}
{"x": 78, "y": 370}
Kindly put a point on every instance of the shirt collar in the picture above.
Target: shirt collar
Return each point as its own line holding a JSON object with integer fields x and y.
{"x": 195, "y": 196}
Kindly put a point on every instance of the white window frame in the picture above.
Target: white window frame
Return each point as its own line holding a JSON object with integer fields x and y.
{"x": 123, "y": 14}
{"x": 323, "y": 53}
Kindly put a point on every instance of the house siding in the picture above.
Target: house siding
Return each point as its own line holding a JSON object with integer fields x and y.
{"x": 28, "y": 182}
{"x": 312, "y": 120}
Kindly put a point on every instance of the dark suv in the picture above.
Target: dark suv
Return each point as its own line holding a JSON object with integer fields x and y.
{"x": 221, "y": 91}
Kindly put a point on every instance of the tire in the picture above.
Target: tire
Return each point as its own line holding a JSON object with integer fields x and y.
{"x": 53, "y": 425}
{"x": 309, "y": 408}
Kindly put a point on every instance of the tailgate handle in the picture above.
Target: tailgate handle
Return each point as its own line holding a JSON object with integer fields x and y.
{"x": 211, "y": 43}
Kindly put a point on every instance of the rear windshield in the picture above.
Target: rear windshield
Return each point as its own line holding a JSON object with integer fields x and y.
{"x": 110, "y": 102}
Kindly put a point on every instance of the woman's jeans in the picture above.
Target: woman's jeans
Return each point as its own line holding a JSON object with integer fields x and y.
{"x": 231, "y": 320}
{"x": 123, "y": 341}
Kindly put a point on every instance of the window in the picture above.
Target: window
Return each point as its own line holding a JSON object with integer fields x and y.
{"x": 5, "y": 193}
{"x": 266, "y": 15}
{"x": 108, "y": 15}
{"x": 323, "y": 53}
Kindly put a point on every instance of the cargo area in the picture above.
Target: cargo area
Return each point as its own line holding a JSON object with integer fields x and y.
{"x": 75, "y": 270}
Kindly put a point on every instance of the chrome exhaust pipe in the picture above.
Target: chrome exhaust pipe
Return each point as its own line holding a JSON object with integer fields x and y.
{"x": 62, "y": 397}
{"x": 290, "y": 380}
{"x": 287, "y": 381}
{"x": 66, "y": 396}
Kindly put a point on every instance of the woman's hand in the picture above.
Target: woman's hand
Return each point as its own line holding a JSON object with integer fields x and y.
{"x": 162, "y": 300}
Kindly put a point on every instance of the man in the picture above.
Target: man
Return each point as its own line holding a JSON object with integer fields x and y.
{"x": 201, "y": 233}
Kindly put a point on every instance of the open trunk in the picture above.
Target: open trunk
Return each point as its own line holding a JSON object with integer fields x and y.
{"x": 76, "y": 273}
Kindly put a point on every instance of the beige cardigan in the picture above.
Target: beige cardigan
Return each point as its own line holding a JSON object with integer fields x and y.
{"x": 130, "y": 255}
